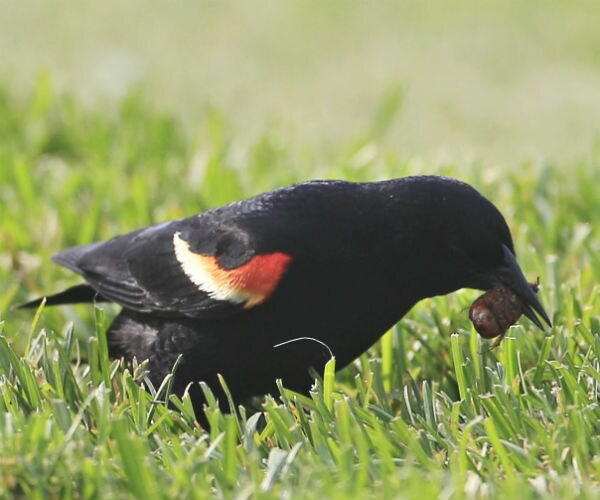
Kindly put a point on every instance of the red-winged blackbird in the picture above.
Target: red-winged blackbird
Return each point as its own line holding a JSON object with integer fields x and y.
{"x": 336, "y": 261}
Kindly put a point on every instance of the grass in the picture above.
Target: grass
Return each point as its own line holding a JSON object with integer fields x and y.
{"x": 423, "y": 413}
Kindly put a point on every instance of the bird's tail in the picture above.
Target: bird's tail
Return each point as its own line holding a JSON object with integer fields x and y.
{"x": 74, "y": 295}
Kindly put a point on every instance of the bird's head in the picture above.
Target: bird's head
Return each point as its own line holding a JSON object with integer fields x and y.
{"x": 467, "y": 243}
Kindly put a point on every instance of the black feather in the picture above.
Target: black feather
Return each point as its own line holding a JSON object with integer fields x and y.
{"x": 74, "y": 295}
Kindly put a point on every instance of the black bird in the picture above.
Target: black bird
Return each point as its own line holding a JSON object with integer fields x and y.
{"x": 336, "y": 261}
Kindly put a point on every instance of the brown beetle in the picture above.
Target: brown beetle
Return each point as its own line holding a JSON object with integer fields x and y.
{"x": 496, "y": 310}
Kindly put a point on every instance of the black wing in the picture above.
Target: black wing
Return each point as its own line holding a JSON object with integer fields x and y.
{"x": 140, "y": 270}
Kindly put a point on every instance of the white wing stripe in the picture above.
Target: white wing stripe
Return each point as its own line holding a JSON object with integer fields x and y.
{"x": 200, "y": 273}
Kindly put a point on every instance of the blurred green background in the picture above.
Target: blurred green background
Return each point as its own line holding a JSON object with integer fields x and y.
{"x": 498, "y": 82}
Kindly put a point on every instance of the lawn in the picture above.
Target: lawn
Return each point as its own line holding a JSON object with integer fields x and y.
{"x": 116, "y": 115}
{"x": 428, "y": 411}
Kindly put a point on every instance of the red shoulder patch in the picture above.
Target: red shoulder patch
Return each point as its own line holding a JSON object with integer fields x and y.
{"x": 250, "y": 284}
{"x": 259, "y": 276}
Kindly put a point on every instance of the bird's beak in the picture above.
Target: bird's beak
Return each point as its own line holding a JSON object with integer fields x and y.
{"x": 512, "y": 276}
